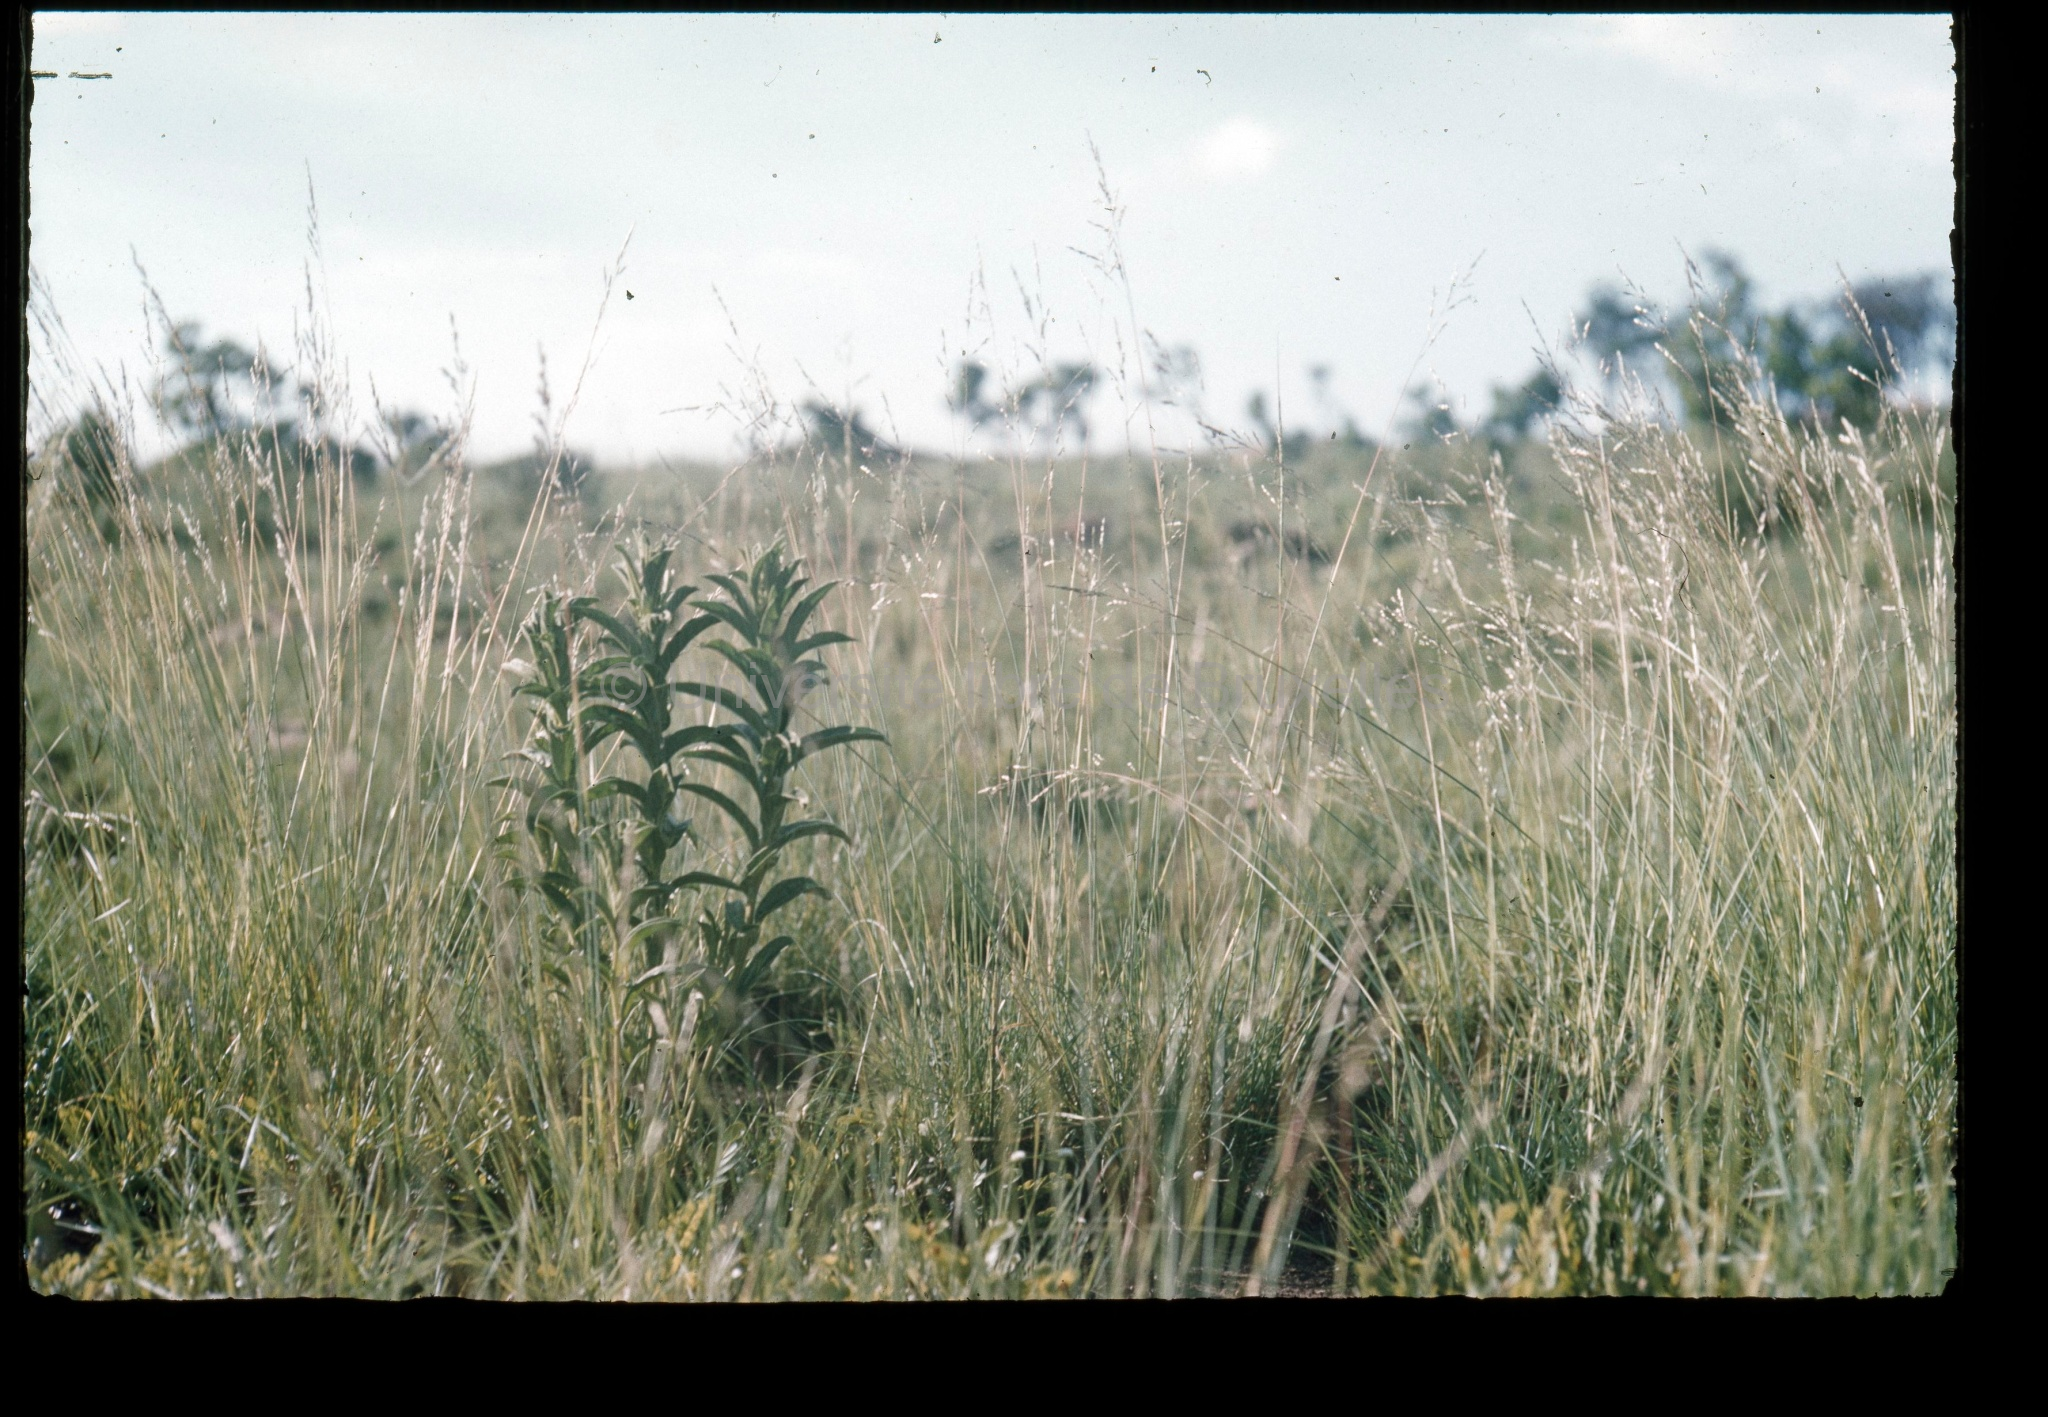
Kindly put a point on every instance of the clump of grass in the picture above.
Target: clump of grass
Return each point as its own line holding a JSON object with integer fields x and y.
{"x": 1551, "y": 890}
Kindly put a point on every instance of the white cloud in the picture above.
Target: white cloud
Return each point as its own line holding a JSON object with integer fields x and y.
{"x": 1240, "y": 148}
{"x": 784, "y": 266}
{"x": 1888, "y": 75}
{"x": 1689, "y": 46}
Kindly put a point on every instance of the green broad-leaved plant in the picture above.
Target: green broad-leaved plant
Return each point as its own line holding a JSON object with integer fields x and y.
{"x": 608, "y": 845}
{"x": 629, "y": 698}
{"x": 558, "y": 817}
{"x": 766, "y": 607}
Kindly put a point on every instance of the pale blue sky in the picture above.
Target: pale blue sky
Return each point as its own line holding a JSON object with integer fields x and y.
{"x": 1298, "y": 190}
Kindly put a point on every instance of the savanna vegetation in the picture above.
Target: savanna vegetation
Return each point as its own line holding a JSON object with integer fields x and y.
{"x": 1511, "y": 859}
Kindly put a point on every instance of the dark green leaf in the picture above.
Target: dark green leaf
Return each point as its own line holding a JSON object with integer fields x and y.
{"x": 795, "y": 624}
{"x": 695, "y": 734}
{"x": 820, "y": 641}
{"x": 681, "y": 640}
{"x": 705, "y": 878}
{"x": 561, "y": 898}
{"x": 740, "y": 599}
{"x": 641, "y": 932}
{"x": 757, "y": 967}
{"x": 542, "y": 798}
{"x": 727, "y": 699}
{"x": 623, "y": 635}
{"x": 622, "y": 787}
{"x": 797, "y": 831}
{"x": 737, "y": 762}
{"x": 785, "y": 891}
{"x": 611, "y": 720}
{"x": 728, "y": 806}
{"x": 833, "y": 737}
{"x": 750, "y": 661}
{"x": 740, "y": 620}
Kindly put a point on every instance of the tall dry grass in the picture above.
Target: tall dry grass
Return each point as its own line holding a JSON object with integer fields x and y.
{"x": 1549, "y": 887}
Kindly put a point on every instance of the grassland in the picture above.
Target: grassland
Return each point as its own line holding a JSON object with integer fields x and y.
{"x": 1404, "y": 872}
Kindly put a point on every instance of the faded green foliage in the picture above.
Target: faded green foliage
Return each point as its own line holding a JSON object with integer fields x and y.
{"x": 1828, "y": 362}
{"x": 1546, "y": 887}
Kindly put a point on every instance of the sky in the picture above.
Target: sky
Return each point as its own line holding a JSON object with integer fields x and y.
{"x": 844, "y": 206}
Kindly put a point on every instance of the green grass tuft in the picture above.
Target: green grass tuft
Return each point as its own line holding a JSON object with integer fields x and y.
{"x": 1547, "y": 886}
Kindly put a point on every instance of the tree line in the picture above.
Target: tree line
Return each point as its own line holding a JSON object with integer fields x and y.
{"x": 1825, "y": 360}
